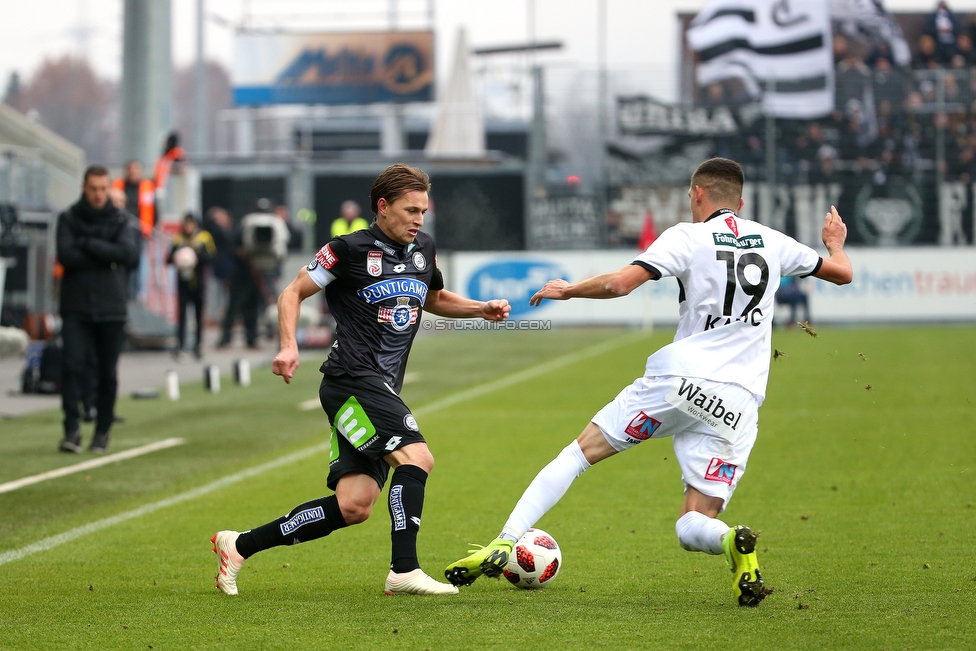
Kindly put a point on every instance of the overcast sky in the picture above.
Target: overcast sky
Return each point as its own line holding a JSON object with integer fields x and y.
{"x": 641, "y": 33}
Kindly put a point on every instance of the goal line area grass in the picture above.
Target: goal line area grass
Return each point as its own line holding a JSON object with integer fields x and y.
{"x": 861, "y": 483}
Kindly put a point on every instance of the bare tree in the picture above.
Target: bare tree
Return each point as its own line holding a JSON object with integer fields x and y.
{"x": 218, "y": 98}
{"x": 72, "y": 101}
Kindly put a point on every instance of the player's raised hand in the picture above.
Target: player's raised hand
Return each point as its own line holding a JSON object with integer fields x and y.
{"x": 496, "y": 310}
{"x": 554, "y": 289}
{"x": 834, "y": 230}
{"x": 285, "y": 363}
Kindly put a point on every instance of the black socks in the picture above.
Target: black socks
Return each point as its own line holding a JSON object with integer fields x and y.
{"x": 406, "y": 505}
{"x": 320, "y": 517}
{"x": 308, "y": 521}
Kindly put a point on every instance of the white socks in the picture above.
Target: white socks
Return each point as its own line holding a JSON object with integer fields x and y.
{"x": 699, "y": 533}
{"x": 546, "y": 489}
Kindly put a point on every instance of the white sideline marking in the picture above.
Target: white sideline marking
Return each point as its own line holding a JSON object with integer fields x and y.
{"x": 309, "y": 405}
{"x": 509, "y": 380}
{"x": 104, "y": 523}
{"x": 88, "y": 465}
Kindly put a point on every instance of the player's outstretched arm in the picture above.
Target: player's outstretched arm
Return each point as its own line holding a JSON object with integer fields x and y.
{"x": 450, "y": 305}
{"x": 836, "y": 268}
{"x": 611, "y": 285}
{"x": 289, "y": 306}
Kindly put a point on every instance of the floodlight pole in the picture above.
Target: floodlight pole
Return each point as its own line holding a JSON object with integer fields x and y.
{"x": 602, "y": 90}
{"x": 147, "y": 80}
{"x": 200, "y": 89}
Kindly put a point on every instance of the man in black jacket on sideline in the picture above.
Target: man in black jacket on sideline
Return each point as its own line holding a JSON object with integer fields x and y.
{"x": 97, "y": 247}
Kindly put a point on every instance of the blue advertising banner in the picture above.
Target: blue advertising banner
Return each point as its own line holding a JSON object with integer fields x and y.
{"x": 335, "y": 68}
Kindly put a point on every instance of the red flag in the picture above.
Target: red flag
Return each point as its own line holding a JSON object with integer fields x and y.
{"x": 648, "y": 233}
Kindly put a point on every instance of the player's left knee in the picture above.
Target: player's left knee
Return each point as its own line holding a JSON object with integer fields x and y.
{"x": 355, "y": 512}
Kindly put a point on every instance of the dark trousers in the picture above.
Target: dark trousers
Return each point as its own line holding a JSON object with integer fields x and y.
{"x": 193, "y": 297}
{"x": 106, "y": 340}
{"x": 245, "y": 300}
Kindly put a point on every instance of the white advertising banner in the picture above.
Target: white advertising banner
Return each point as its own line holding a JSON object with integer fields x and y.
{"x": 517, "y": 275}
{"x": 901, "y": 284}
{"x": 890, "y": 285}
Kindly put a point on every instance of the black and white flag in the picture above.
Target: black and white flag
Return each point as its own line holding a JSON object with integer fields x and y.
{"x": 868, "y": 20}
{"x": 780, "y": 49}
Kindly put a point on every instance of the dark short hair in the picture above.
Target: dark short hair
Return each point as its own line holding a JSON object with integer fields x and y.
{"x": 394, "y": 182}
{"x": 721, "y": 178}
{"x": 95, "y": 170}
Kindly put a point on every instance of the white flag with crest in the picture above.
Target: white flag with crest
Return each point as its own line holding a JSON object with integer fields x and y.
{"x": 780, "y": 49}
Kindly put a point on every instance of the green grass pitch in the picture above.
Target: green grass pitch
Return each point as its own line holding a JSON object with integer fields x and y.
{"x": 862, "y": 484}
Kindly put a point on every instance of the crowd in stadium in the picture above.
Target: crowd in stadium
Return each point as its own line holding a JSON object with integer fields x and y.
{"x": 910, "y": 122}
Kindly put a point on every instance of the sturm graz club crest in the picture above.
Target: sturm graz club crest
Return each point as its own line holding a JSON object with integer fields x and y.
{"x": 401, "y": 316}
{"x": 419, "y": 261}
{"x": 889, "y": 214}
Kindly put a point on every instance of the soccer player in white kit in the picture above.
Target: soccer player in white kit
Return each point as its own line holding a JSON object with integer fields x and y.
{"x": 705, "y": 388}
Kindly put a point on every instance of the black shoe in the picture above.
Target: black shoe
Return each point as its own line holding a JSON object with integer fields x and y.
{"x": 99, "y": 444}
{"x": 71, "y": 442}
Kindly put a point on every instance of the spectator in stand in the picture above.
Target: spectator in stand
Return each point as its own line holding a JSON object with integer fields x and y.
{"x": 889, "y": 83}
{"x": 808, "y": 143}
{"x": 965, "y": 164}
{"x": 856, "y": 139}
{"x": 826, "y": 170}
{"x": 925, "y": 57}
{"x": 965, "y": 49}
{"x": 715, "y": 96}
{"x": 349, "y": 220}
{"x": 944, "y": 27}
{"x": 853, "y": 79}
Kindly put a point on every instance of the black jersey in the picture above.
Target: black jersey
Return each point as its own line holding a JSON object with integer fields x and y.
{"x": 376, "y": 290}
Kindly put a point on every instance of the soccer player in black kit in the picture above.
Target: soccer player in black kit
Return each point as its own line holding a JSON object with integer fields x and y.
{"x": 377, "y": 282}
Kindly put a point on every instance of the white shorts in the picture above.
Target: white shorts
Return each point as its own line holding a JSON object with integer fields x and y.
{"x": 713, "y": 424}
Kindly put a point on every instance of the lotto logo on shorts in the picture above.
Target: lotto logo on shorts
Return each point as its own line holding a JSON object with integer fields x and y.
{"x": 326, "y": 257}
{"x": 719, "y": 470}
{"x": 642, "y": 427}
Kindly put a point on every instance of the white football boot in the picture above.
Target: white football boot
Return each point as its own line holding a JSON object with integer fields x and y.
{"x": 227, "y": 569}
{"x": 416, "y": 582}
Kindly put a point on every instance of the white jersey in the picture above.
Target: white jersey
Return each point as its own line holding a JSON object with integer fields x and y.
{"x": 728, "y": 270}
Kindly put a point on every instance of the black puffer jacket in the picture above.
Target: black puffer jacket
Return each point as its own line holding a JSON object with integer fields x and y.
{"x": 97, "y": 249}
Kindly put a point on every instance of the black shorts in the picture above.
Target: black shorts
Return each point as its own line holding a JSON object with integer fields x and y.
{"x": 368, "y": 422}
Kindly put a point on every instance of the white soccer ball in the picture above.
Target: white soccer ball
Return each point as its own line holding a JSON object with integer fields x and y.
{"x": 185, "y": 258}
{"x": 535, "y": 560}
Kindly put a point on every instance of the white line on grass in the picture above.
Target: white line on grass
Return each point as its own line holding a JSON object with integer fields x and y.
{"x": 474, "y": 392}
{"x": 104, "y": 523}
{"x": 88, "y": 465}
